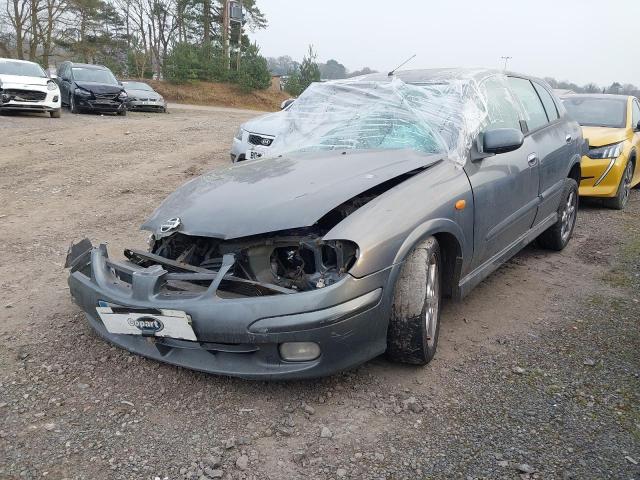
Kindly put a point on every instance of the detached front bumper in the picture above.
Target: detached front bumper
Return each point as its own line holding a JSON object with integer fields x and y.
{"x": 241, "y": 336}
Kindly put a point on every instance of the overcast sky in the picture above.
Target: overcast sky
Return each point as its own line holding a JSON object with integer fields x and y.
{"x": 577, "y": 40}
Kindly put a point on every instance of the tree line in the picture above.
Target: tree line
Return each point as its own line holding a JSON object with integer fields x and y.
{"x": 176, "y": 40}
{"x": 615, "y": 88}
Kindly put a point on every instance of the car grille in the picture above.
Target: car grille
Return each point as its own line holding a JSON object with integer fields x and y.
{"x": 105, "y": 96}
{"x": 260, "y": 140}
{"x": 25, "y": 95}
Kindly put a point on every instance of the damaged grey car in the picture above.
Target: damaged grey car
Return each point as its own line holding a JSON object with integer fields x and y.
{"x": 381, "y": 196}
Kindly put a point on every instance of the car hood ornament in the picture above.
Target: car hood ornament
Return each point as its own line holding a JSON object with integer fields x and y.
{"x": 171, "y": 224}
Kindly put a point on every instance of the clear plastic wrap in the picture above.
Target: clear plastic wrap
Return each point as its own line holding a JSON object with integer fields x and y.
{"x": 437, "y": 112}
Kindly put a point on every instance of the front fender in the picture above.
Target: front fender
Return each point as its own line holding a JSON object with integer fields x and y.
{"x": 433, "y": 227}
{"x": 386, "y": 228}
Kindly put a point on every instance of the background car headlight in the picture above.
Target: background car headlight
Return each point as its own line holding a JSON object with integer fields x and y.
{"x": 51, "y": 85}
{"x": 239, "y": 133}
{"x": 82, "y": 92}
{"x": 608, "y": 151}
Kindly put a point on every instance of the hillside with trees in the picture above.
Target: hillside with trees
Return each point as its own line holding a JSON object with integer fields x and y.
{"x": 176, "y": 40}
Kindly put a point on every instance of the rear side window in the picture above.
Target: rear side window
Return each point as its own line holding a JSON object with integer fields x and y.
{"x": 635, "y": 117}
{"x": 547, "y": 101}
{"x": 501, "y": 106}
{"x": 523, "y": 89}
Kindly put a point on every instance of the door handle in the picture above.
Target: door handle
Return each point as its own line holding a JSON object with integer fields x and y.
{"x": 532, "y": 159}
{"x": 568, "y": 138}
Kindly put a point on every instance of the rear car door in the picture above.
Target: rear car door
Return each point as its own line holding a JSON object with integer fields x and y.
{"x": 505, "y": 186}
{"x": 555, "y": 139}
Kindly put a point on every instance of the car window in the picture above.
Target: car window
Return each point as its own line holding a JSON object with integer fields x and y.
{"x": 501, "y": 106}
{"x": 523, "y": 89}
{"x": 24, "y": 69}
{"x": 547, "y": 102}
{"x": 94, "y": 75}
{"x": 597, "y": 111}
{"x": 635, "y": 117}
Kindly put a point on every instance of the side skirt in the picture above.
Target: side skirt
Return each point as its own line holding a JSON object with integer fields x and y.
{"x": 483, "y": 271}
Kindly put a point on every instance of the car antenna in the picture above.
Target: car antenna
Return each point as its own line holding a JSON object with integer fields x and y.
{"x": 390, "y": 74}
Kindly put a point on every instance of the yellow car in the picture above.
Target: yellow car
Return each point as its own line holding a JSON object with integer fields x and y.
{"x": 611, "y": 123}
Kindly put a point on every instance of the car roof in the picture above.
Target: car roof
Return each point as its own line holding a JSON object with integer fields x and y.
{"x": 444, "y": 75}
{"x": 88, "y": 65}
{"x": 16, "y": 60}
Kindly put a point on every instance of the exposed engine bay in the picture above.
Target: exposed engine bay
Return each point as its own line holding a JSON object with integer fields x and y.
{"x": 296, "y": 260}
{"x": 281, "y": 262}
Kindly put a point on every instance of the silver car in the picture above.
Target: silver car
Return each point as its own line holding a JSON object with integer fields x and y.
{"x": 142, "y": 97}
{"x": 380, "y": 197}
{"x": 253, "y": 138}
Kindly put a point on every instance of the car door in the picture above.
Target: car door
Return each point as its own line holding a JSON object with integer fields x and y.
{"x": 505, "y": 186}
{"x": 635, "y": 121}
{"x": 555, "y": 141}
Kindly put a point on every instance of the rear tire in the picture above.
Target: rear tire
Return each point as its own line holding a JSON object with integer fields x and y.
{"x": 558, "y": 235}
{"x": 415, "y": 314}
{"x": 55, "y": 113}
{"x": 624, "y": 189}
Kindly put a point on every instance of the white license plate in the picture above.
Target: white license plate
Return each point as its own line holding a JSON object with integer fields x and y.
{"x": 149, "y": 103}
{"x": 252, "y": 154}
{"x": 165, "y": 323}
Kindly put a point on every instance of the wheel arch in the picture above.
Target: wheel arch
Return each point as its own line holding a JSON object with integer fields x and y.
{"x": 452, "y": 248}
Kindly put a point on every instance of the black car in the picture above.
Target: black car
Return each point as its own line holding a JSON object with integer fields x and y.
{"x": 85, "y": 87}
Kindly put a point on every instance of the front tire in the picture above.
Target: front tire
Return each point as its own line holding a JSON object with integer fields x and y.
{"x": 558, "y": 235}
{"x": 72, "y": 104}
{"x": 624, "y": 190}
{"x": 415, "y": 315}
{"x": 55, "y": 113}
{"x": 122, "y": 112}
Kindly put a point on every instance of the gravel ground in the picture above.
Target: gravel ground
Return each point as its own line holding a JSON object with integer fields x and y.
{"x": 537, "y": 374}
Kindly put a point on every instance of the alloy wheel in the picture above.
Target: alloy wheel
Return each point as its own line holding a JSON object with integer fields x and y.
{"x": 568, "y": 216}
{"x": 432, "y": 300}
{"x": 626, "y": 183}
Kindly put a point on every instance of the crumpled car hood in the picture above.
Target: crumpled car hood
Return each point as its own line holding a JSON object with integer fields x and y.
{"x": 280, "y": 193}
{"x": 100, "y": 87}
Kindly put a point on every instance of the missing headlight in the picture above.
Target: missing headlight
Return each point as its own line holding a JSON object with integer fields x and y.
{"x": 298, "y": 260}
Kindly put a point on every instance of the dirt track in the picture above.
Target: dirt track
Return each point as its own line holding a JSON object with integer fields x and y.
{"x": 536, "y": 375}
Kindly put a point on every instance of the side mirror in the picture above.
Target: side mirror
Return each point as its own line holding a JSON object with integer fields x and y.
{"x": 502, "y": 140}
{"x": 492, "y": 142}
{"x": 286, "y": 103}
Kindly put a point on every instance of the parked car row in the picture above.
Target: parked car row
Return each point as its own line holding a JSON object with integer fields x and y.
{"x": 374, "y": 199}
{"x": 80, "y": 87}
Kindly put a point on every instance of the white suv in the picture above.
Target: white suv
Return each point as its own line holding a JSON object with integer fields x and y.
{"x": 26, "y": 86}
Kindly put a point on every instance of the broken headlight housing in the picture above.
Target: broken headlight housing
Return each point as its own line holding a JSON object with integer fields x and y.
{"x": 294, "y": 260}
{"x": 239, "y": 133}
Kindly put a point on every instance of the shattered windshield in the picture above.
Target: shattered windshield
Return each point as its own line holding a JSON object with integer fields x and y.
{"x": 364, "y": 114}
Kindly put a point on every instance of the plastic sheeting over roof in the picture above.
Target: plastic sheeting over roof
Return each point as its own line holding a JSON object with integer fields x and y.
{"x": 440, "y": 113}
